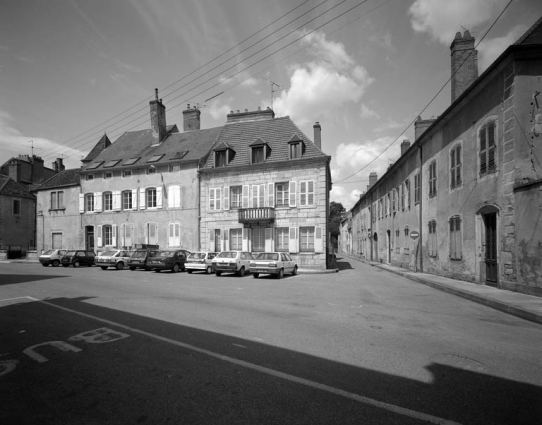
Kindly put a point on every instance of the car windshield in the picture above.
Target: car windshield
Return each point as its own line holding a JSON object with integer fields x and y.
{"x": 197, "y": 256}
{"x": 70, "y": 252}
{"x": 108, "y": 253}
{"x": 48, "y": 252}
{"x": 227, "y": 254}
{"x": 165, "y": 254}
{"x": 268, "y": 256}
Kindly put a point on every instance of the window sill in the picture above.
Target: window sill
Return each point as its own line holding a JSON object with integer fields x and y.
{"x": 57, "y": 209}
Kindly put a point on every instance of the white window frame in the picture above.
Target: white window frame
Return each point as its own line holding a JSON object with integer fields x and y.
{"x": 306, "y": 195}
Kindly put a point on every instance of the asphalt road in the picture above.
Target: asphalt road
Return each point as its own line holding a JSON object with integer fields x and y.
{"x": 361, "y": 346}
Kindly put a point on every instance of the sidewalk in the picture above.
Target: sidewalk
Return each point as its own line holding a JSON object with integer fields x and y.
{"x": 525, "y": 306}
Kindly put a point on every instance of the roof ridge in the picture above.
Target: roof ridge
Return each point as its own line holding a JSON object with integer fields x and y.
{"x": 529, "y": 31}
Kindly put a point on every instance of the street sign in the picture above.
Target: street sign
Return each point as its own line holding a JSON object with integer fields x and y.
{"x": 414, "y": 234}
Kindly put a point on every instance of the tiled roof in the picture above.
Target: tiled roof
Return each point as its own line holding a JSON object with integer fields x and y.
{"x": 10, "y": 187}
{"x": 276, "y": 132}
{"x": 70, "y": 177}
{"x": 533, "y": 35}
{"x": 177, "y": 147}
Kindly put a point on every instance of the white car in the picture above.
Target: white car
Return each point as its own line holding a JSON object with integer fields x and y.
{"x": 117, "y": 258}
{"x": 200, "y": 261}
{"x": 237, "y": 262}
{"x": 52, "y": 257}
{"x": 277, "y": 263}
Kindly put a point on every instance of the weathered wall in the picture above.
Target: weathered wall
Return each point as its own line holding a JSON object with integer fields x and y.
{"x": 17, "y": 229}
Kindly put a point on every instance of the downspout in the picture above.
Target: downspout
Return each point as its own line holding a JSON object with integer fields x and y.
{"x": 421, "y": 210}
{"x": 198, "y": 196}
{"x": 371, "y": 225}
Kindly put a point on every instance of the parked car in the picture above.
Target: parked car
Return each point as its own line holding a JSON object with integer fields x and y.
{"x": 140, "y": 257}
{"x": 277, "y": 263}
{"x": 237, "y": 262}
{"x": 53, "y": 257}
{"x": 200, "y": 261}
{"x": 78, "y": 258}
{"x": 173, "y": 260}
{"x": 117, "y": 258}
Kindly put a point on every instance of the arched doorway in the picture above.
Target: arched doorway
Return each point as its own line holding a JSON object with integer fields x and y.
{"x": 388, "y": 245}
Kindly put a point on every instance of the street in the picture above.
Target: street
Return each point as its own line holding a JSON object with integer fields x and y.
{"x": 361, "y": 346}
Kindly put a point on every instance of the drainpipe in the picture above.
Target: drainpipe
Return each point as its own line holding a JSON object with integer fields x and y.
{"x": 421, "y": 210}
{"x": 198, "y": 196}
{"x": 371, "y": 225}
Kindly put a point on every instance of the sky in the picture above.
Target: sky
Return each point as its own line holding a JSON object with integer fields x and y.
{"x": 71, "y": 71}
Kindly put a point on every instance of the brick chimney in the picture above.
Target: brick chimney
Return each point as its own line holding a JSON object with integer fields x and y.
{"x": 373, "y": 178}
{"x": 464, "y": 63}
{"x": 317, "y": 135}
{"x": 15, "y": 170}
{"x": 58, "y": 165}
{"x": 258, "y": 115}
{"x": 191, "y": 120}
{"x": 158, "y": 119}
{"x": 420, "y": 126}
{"x": 405, "y": 144}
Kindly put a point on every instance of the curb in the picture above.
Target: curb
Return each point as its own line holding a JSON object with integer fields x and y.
{"x": 315, "y": 271}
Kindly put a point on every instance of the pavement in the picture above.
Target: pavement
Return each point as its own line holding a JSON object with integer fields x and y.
{"x": 525, "y": 306}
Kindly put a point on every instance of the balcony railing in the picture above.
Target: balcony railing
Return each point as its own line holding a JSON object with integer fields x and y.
{"x": 257, "y": 215}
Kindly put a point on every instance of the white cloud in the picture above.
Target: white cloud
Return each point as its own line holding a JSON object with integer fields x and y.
{"x": 489, "y": 50}
{"x": 218, "y": 111}
{"x": 344, "y": 196}
{"x": 389, "y": 125}
{"x": 367, "y": 112}
{"x": 321, "y": 87}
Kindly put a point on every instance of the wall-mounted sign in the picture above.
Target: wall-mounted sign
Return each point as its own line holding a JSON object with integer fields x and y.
{"x": 414, "y": 234}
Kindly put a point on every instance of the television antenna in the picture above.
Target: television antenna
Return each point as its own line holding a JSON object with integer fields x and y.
{"x": 273, "y": 89}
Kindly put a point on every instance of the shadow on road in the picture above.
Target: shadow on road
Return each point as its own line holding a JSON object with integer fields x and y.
{"x": 344, "y": 264}
{"x": 147, "y": 378}
{"x": 12, "y": 279}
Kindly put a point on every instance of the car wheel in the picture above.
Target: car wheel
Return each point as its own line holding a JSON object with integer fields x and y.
{"x": 44, "y": 264}
{"x": 280, "y": 274}
{"x": 218, "y": 273}
{"x": 295, "y": 271}
{"x": 242, "y": 271}
{"x": 209, "y": 270}
{"x": 56, "y": 263}
{"x": 120, "y": 265}
{"x": 189, "y": 271}
{"x": 76, "y": 264}
{"x": 255, "y": 275}
{"x": 132, "y": 268}
{"x": 175, "y": 268}
{"x": 65, "y": 265}
{"x": 103, "y": 267}
{"x": 157, "y": 270}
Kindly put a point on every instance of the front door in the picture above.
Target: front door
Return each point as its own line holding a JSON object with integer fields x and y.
{"x": 490, "y": 222}
{"x": 217, "y": 241}
{"x": 89, "y": 238}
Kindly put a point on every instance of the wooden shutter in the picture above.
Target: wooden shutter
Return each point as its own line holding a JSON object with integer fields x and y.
{"x": 292, "y": 194}
{"x": 212, "y": 240}
{"x": 141, "y": 199}
{"x": 318, "y": 240}
{"x": 226, "y": 198}
{"x": 114, "y": 235}
{"x": 98, "y": 201}
{"x": 310, "y": 193}
{"x": 261, "y": 196}
{"x": 246, "y": 195}
{"x": 212, "y": 203}
{"x": 270, "y": 195}
{"x": 117, "y": 200}
{"x": 293, "y": 244}
{"x": 302, "y": 194}
{"x": 134, "y": 199}
{"x": 81, "y": 203}
{"x": 246, "y": 236}
{"x": 254, "y": 196}
{"x": 225, "y": 245}
{"x": 158, "y": 197}
{"x": 218, "y": 198}
{"x": 99, "y": 236}
{"x": 268, "y": 239}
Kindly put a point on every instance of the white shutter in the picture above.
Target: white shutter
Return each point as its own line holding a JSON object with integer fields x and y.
{"x": 261, "y": 196}
{"x": 212, "y": 240}
{"x": 254, "y": 196}
{"x": 98, "y": 201}
{"x": 293, "y": 245}
{"x": 81, "y": 203}
{"x": 171, "y": 234}
{"x": 134, "y": 199}
{"x": 225, "y": 245}
{"x": 226, "y": 198}
{"x": 116, "y": 200}
{"x": 158, "y": 197}
{"x": 292, "y": 193}
{"x": 303, "y": 194}
{"x": 212, "y": 204}
{"x": 270, "y": 195}
{"x": 114, "y": 235}
{"x": 311, "y": 197}
{"x": 99, "y": 236}
{"x": 245, "y": 239}
{"x": 142, "y": 200}
{"x": 245, "y": 195}
{"x": 268, "y": 239}
{"x": 318, "y": 240}
{"x": 218, "y": 199}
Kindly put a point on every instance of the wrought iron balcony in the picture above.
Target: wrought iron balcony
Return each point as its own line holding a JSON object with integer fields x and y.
{"x": 257, "y": 215}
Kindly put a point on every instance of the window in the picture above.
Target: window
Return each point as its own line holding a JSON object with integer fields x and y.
{"x": 258, "y": 154}
{"x": 432, "y": 238}
{"x": 306, "y": 193}
{"x": 90, "y": 177}
{"x": 258, "y": 195}
{"x": 306, "y": 239}
{"x": 151, "y": 170}
{"x": 16, "y": 207}
{"x": 108, "y": 175}
{"x": 220, "y": 159}
{"x": 455, "y": 167}
{"x": 236, "y": 197}
{"x": 455, "y": 238}
{"x": 433, "y": 179}
{"x": 407, "y": 192}
{"x": 89, "y": 202}
{"x": 174, "y": 196}
{"x": 126, "y": 173}
{"x": 394, "y": 199}
{"x": 107, "y": 235}
{"x": 295, "y": 150}
{"x": 127, "y": 201}
{"x": 215, "y": 196}
{"x": 57, "y": 200}
{"x": 281, "y": 239}
{"x": 407, "y": 231}
{"x": 487, "y": 149}
{"x": 258, "y": 239}
{"x": 236, "y": 239}
{"x": 108, "y": 201}
{"x": 150, "y": 195}
{"x": 282, "y": 194}
{"x": 417, "y": 189}
{"x": 151, "y": 233}
{"x": 126, "y": 235}
{"x": 174, "y": 234}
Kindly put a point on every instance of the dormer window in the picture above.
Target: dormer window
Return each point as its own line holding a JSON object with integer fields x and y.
{"x": 296, "y": 147}
{"x": 223, "y": 155}
{"x": 260, "y": 151}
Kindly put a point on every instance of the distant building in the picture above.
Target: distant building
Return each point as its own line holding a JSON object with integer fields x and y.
{"x": 30, "y": 170}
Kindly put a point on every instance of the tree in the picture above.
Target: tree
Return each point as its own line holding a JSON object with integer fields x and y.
{"x": 336, "y": 211}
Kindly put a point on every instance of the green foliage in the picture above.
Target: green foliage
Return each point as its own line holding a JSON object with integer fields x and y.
{"x": 336, "y": 211}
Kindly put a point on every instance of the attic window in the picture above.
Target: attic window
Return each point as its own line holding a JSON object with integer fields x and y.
{"x": 223, "y": 155}
{"x": 95, "y": 165}
{"x": 260, "y": 151}
{"x": 112, "y": 163}
{"x": 131, "y": 161}
{"x": 179, "y": 155}
{"x": 296, "y": 147}
{"x": 155, "y": 158}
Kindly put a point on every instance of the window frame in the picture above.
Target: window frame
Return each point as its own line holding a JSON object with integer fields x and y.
{"x": 151, "y": 198}
{"x": 236, "y": 197}
{"x": 456, "y": 161}
{"x": 16, "y": 206}
{"x": 432, "y": 181}
{"x": 307, "y": 193}
{"x": 417, "y": 188}
{"x": 107, "y": 175}
{"x": 89, "y": 202}
{"x": 107, "y": 201}
{"x": 107, "y": 232}
{"x": 284, "y": 194}
{"x": 282, "y": 239}
{"x": 456, "y": 241}
{"x": 310, "y": 233}
{"x": 126, "y": 174}
{"x": 123, "y": 200}
{"x": 485, "y": 153}
{"x": 236, "y": 239}
{"x": 432, "y": 239}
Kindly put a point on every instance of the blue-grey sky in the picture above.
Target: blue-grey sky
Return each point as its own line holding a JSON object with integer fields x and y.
{"x": 72, "y": 70}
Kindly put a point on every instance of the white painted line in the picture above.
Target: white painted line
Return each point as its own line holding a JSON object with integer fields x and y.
{"x": 271, "y": 372}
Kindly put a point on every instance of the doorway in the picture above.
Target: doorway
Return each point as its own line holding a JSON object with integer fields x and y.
{"x": 89, "y": 238}
{"x": 388, "y": 242}
{"x": 490, "y": 223}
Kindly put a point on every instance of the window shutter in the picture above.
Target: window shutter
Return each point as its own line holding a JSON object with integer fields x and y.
{"x": 141, "y": 199}
{"x": 226, "y": 197}
{"x": 254, "y": 197}
{"x": 270, "y": 195}
{"x": 292, "y": 192}
{"x": 225, "y": 245}
{"x": 245, "y": 196}
{"x": 302, "y": 194}
{"x": 81, "y": 203}
{"x": 246, "y": 236}
{"x": 310, "y": 193}
{"x": 212, "y": 240}
{"x": 211, "y": 199}
{"x": 98, "y": 201}
{"x": 293, "y": 245}
{"x": 159, "y": 197}
{"x": 261, "y": 196}
{"x": 318, "y": 240}
{"x": 171, "y": 234}
{"x": 116, "y": 200}
{"x": 268, "y": 239}
{"x": 99, "y": 236}
{"x": 114, "y": 235}
{"x": 134, "y": 199}
{"x": 458, "y": 166}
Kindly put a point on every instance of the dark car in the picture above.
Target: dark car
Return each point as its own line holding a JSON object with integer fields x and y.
{"x": 140, "y": 258}
{"x": 168, "y": 260}
{"x": 78, "y": 258}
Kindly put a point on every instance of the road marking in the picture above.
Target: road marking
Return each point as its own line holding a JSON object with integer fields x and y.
{"x": 271, "y": 372}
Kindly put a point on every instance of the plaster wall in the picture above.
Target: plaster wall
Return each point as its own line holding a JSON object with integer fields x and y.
{"x": 17, "y": 229}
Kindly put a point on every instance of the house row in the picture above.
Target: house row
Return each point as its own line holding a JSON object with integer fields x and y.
{"x": 465, "y": 199}
{"x": 257, "y": 183}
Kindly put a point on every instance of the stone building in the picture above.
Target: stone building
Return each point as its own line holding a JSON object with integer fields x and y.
{"x": 29, "y": 170}
{"x": 265, "y": 187}
{"x": 464, "y": 200}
